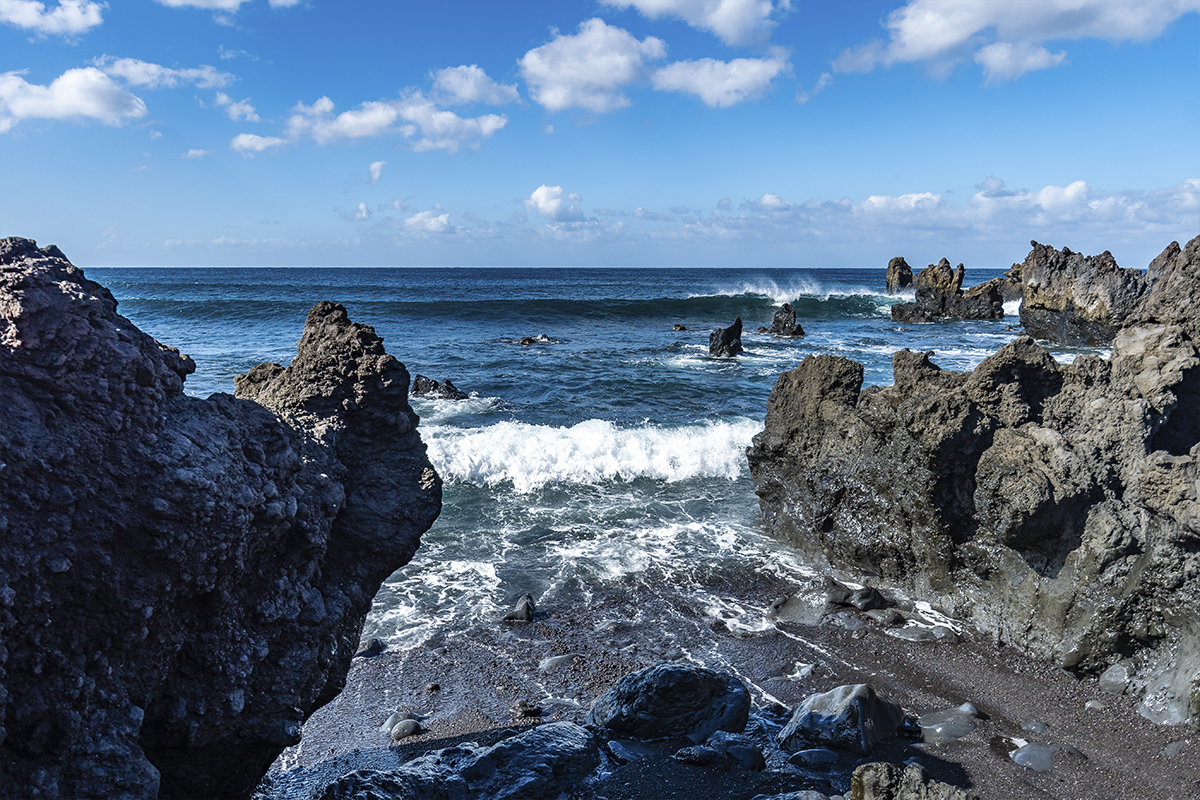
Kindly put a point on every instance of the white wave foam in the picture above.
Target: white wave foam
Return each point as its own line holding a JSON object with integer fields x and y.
{"x": 793, "y": 291}
{"x": 592, "y": 452}
{"x": 1012, "y": 308}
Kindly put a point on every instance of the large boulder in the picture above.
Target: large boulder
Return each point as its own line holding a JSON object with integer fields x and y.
{"x": 672, "y": 701}
{"x": 899, "y": 275}
{"x": 1054, "y": 507}
{"x": 183, "y": 581}
{"x": 784, "y": 322}
{"x": 726, "y": 342}
{"x": 851, "y": 717}
{"x": 939, "y": 293}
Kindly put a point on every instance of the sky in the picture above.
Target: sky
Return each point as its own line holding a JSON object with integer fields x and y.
{"x": 770, "y": 133}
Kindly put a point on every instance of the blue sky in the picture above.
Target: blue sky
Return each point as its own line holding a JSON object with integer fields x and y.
{"x": 609, "y": 132}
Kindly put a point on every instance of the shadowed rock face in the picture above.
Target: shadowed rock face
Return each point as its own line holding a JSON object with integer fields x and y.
{"x": 183, "y": 581}
{"x": 939, "y": 293}
{"x": 1054, "y": 507}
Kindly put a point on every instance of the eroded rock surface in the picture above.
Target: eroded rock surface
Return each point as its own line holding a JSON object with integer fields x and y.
{"x": 899, "y": 275}
{"x": 1055, "y": 507}
{"x": 939, "y": 293}
{"x": 183, "y": 581}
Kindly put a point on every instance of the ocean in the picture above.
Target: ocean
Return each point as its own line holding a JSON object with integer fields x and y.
{"x": 610, "y": 454}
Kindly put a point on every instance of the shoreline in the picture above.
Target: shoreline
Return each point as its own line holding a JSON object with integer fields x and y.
{"x": 608, "y": 631}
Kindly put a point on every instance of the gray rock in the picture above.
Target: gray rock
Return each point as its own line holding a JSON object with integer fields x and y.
{"x": 940, "y": 727}
{"x": 427, "y": 387}
{"x": 851, "y": 717}
{"x": 184, "y": 581}
{"x": 626, "y": 751}
{"x": 939, "y": 293}
{"x": 733, "y": 750}
{"x": 784, "y": 323}
{"x": 540, "y": 763}
{"x": 1050, "y": 506}
{"x": 726, "y": 342}
{"x": 672, "y": 701}
{"x": 374, "y": 647}
{"x": 1115, "y": 679}
{"x": 883, "y": 781}
{"x": 899, "y": 275}
{"x": 524, "y": 611}
{"x": 1037, "y": 757}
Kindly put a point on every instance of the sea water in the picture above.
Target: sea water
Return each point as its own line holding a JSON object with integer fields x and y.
{"x": 611, "y": 452}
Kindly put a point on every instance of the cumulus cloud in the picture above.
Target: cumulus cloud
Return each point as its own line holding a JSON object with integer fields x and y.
{"x": 428, "y": 222}
{"x": 413, "y": 116}
{"x": 822, "y": 82}
{"x": 472, "y": 85}
{"x": 76, "y": 94}
{"x": 555, "y": 204}
{"x": 154, "y": 76}
{"x": 362, "y": 212}
{"x": 249, "y": 143}
{"x": 376, "y": 170}
{"x": 237, "y": 109}
{"x": 735, "y": 22}
{"x": 195, "y": 153}
{"x": 653, "y": 216}
{"x": 589, "y": 69}
{"x": 720, "y": 84}
{"x": 68, "y": 18}
{"x": 1006, "y": 37}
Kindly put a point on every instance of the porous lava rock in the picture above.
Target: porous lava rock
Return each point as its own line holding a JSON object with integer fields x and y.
{"x": 899, "y": 275}
{"x": 1055, "y": 507}
{"x": 670, "y": 701}
{"x": 183, "y": 581}
{"x": 726, "y": 342}
{"x": 784, "y": 322}
{"x": 939, "y": 293}
{"x": 883, "y": 781}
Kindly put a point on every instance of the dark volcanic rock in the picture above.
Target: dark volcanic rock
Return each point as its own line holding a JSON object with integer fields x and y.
{"x": 672, "y": 701}
{"x": 1054, "y": 507}
{"x": 940, "y": 294}
{"x": 784, "y": 323}
{"x": 428, "y": 387}
{"x": 883, "y": 781}
{"x": 1076, "y": 299}
{"x": 183, "y": 581}
{"x": 851, "y": 717}
{"x": 899, "y": 275}
{"x": 726, "y": 341}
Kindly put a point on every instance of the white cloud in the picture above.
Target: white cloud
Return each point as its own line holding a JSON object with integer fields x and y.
{"x": 553, "y": 203}
{"x": 825, "y": 80}
{"x": 1005, "y": 36}
{"x": 153, "y": 76}
{"x": 720, "y": 84}
{"x": 653, "y": 216}
{"x": 589, "y": 69}
{"x": 412, "y": 115}
{"x": 362, "y": 212}
{"x": 735, "y": 22}
{"x": 213, "y": 5}
{"x": 77, "y": 93}
{"x": 248, "y": 143}
{"x": 770, "y": 202}
{"x": 69, "y": 17}
{"x": 237, "y": 109}
{"x": 472, "y": 85}
{"x": 428, "y": 222}
{"x": 195, "y": 153}
{"x": 376, "y": 170}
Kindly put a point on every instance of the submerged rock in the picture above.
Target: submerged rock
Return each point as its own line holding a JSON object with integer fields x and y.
{"x": 1051, "y": 506}
{"x": 851, "y": 717}
{"x": 672, "y": 701}
{"x": 726, "y": 342}
{"x": 183, "y": 581}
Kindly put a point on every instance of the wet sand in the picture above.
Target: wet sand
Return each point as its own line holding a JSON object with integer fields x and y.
{"x": 466, "y": 683}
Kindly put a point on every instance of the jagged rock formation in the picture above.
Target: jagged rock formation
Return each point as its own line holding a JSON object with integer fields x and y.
{"x": 1076, "y": 299}
{"x": 430, "y": 388}
{"x": 183, "y": 581}
{"x": 784, "y": 322}
{"x": 940, "y": 294}
{"x": 1054, "y": 507}
{"x": 899, "y": 275}
{"x": 726, "y": 342}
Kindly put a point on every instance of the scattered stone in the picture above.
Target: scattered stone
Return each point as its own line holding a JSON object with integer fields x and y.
{"x": 427, "y": 387}
{"x": 726, "y": 342}
{"x": 372, "y": 648}
{"x": 679, "y": 327}
{"x": 396, "y": 717}
{"x": 404, "y": 728}
{"x": 672, "y": 701}
{"x": 1095, "y": 705}
{"x": 814, "y": 757}
{"x": 1037, "y": 757}
{"x": 883, "y": 781}
{"x": 524, "y": 611}
{"x": 940, "y": 727}
{"x": 1115, "y": 679}
{"x": 851, "y": 717}
{"x": 899, "y": 275}
{"x": 733, "y": 749}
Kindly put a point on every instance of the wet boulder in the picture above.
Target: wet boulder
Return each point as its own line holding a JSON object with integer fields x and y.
{"x": 851, "y": 717}
{"x": 428, "y": 387}
{"x": 672, "y": 701}
{"x": 784, "y": 322}
{"x": 726, "y": 342}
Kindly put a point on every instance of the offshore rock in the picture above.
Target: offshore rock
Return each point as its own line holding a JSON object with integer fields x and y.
{"x": 883, "y": 781}
{"x": 671, "y": 701}
{"x": 940, "y": 294}
{"x": 183, "y": 581}
{"x": 899, "y": 275}
{"x": 540, "y": 763}
{"x": 1055, "y": 507}
{"x": 784, "y": 322}
{"x": 851, "y": 717}
{"x": 445, "y": 390}
{"x": 726, "y": 342}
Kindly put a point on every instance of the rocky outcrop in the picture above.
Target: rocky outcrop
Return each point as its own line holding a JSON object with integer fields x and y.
{"x": 939, "y": 294}
{"x": 883, "y": 781}
{"x": 899, "y": 275}
{"x": 1054, "y": 507}
{"x": 445, "y": 390}
{"x": 726, "y": 342}
{"x": 1079, "y": 300}
{"x": 851, "y": 717}
{"x": 784, "y": 322}
{"x": 672, "y": 701}
{"x": 183, "y": 581}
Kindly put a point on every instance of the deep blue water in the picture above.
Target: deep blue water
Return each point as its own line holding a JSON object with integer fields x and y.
{"x": 615, "y": 450}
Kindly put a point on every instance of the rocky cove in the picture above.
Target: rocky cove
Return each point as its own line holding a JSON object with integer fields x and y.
{"x": 291, "y": 506}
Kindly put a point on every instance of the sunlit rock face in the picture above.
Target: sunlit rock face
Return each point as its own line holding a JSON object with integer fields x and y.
{"x": 183, "y": 581}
